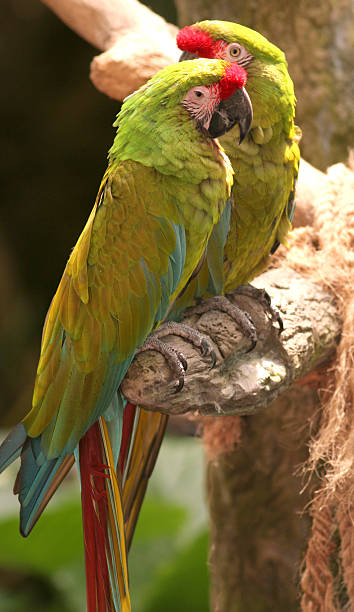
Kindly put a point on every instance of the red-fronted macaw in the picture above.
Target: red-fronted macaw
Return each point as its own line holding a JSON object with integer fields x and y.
{"x": 266, "y": 166}
{"x": 165, "y": 187}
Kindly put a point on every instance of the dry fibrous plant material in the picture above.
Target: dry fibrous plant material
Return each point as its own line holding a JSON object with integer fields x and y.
{"x": 325, "y": 253}
{"x": 332, "y": 450}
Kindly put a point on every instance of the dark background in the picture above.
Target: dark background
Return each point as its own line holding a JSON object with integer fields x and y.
{"x": 55, "y": 134}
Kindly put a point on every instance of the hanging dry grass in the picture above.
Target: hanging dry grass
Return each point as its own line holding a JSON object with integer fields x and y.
{"x": 325, "y": 252}
{"x": 332, "y": 451}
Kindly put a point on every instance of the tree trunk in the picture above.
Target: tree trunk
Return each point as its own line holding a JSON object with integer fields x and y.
{"x": 258, "y": 526}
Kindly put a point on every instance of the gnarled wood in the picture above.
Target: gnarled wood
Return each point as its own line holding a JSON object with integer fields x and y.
{"x": 243, "y": 382}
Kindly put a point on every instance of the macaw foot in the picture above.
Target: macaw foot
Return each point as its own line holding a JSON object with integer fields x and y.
{"x": 242, "y": 318}
{"x": 195, "y": 337}
{"x": 264, "y": 299}
{"x": 175, "y": 359}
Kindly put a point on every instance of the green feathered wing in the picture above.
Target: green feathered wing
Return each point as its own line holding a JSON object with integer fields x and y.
{"x": 116, "y": 286}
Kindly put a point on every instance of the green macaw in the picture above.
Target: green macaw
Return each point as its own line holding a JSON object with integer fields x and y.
{"x": 267, "y": 161}
{"x": 165, "y": 187}
{"x": 266, "y": 165}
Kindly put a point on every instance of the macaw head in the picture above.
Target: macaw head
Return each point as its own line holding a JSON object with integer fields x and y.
{"x": 268, "y": 81}
{"x": 208, "y": 94}
{"x": 218, "y": 107}
{"x": 227, "y": 41}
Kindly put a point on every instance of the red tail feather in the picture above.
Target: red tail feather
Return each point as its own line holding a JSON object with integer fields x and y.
{"x": 95, "y": 516}
{"x": 128, "y": 421}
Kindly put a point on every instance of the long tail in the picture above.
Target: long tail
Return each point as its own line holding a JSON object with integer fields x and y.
{"x": 142, "y": 437}
{"x": 37, "y": 478}
{"x": 105, "y": 549}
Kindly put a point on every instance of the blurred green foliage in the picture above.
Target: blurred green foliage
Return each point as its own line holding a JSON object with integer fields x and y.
{"x": 168, "y": 570}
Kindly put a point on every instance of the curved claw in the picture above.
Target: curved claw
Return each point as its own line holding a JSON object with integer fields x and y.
{"x": 242, "y": 318}
{"x": 192, "y": 335}
{"x": 277, "y": 317}
{"x": 183, "y": 360}
{"x": 175, "y": 359}
{"x": 179, "y": 385}
{"x": 273, "y": 312}
{"x": 263, "y": 298}
{"x": 207, "y": 351}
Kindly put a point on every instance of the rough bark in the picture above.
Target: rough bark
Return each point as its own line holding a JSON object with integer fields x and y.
{"x": 317, "y": 38}
{"x": 243, "y": 382}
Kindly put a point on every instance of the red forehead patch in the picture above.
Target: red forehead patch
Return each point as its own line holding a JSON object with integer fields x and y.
{"x": 235, "y": 77}
{"x": 195, "y": 41}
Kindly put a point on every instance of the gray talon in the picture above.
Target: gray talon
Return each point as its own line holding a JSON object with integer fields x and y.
{"x": 213, "y": 359}
{"x": 176, "y": 360}
{"x": 195, "y": 337}
{"x": 179, "y": 385}
{"x": 205, "y": 347}
{"x": 242, "y": 318}
{"x": 264, "y": 298}
{"x": 183, "y": 360}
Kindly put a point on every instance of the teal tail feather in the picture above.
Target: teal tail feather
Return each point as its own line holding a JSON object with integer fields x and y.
{"x": 37, "y": 479}
{"x": 11, "y": 447}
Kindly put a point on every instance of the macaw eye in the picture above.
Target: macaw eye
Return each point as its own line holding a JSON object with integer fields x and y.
{"x": 234, "y": 51}
{"x": 196, "y": 98}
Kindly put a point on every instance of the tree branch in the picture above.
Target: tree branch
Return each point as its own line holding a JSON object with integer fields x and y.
{"x": 136, "y": 42}
{"x": 243, "y": 382}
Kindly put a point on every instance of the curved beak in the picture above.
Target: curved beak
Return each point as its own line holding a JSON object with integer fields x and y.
{"x": 237, "y": 109}
{"x": 185, "y": 55}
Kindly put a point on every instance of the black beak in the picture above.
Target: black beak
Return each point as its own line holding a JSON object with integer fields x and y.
{"x": 185, "y": 55}
{"x": 237, "y": 109}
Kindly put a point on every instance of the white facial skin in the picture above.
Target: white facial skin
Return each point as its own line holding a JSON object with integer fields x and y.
{"x": 233, "y": 52}
{"x": 237, "y": 53}
{"x": 200, "y": 102}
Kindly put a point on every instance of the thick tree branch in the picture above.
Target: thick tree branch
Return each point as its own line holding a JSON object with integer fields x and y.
{"x": 136, "y": 41}
{"x": 243, "y": 382}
